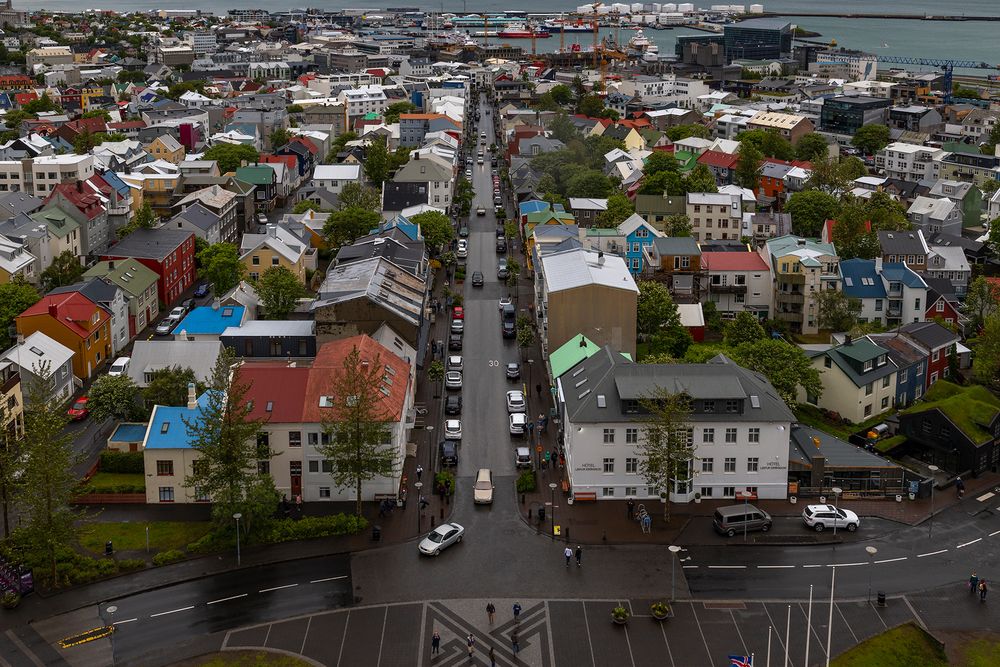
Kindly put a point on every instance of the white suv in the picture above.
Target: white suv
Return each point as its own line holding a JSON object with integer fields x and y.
{"x": 821, "y": 517}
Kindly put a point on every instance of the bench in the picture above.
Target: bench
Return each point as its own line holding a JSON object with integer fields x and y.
{"x": 379, "y": 497}
{"x": 585, "y": 496}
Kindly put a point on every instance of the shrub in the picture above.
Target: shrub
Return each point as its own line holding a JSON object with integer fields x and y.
{"x": 131, "y": 564}
{"x": 448, "y": 479}
{"x": 212, "y": 542}
{"x": 288, "y": 530}
{"x": 526, "y": 481}
{"x": 122, "y": 462}
{"x": 167, "y": 557}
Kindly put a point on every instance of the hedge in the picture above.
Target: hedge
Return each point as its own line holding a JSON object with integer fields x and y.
{"x": 526, "y": 482}
{"x": 167, "y": 557}
{"x": 122, "y": 462}
{"x": 288, "y": 530}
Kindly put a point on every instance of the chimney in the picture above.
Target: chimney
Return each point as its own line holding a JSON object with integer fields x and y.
{"x": 878, "y": 265}
{"x": 847, "y": 339}
{"x": 111, "y": 265}
{"x": 192, "y": 399}
{"x": 53, "y": 311}
{"x": 600, "y": 257}
{"x": 215, "y": 303}
{"x": 272, "y": 231}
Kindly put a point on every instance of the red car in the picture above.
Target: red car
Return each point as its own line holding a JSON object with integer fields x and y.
{"x": 79, "y": 411}
{"x": 458, "y": 313}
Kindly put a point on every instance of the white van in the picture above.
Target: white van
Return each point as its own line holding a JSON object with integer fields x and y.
{"x": 482, "y": 493}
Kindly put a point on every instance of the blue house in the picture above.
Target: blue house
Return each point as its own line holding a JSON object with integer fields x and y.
{"x": 911, "y": 361}
{"x": 637, "y": 235}
{"x": 889, "y": 293}
{"x": 208, "y": 322}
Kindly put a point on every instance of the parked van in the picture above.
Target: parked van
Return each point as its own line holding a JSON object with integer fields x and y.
{"x": 482, "y": 492}
{"x": 733, "y": 519}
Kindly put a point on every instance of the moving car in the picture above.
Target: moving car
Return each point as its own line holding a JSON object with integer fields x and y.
{"x": 441, "y": 538}
{"x": 480, "y": 211}
{"x": 463, "y": 249}
{"x": 508, "y": 321}
{"x": 449, "y": 453}
{"x": 119, "y": 367}
{"x": 477, "y": 278}
{"x": 453, "y": 405}
{"x": 455, "y": 362}
{"x": 463, "y": 231}
{"x": 79, "y": 410}
{"x": 482, "y": 492}
{"x": 518, "y": 423}
{"x": 166, "y": 326}
{"x": 453, "y": 380}
{"x": 202, "y": 290}
{"x": 504, "y": 302}
{"x": 515, "y": 401}
{"x": 733, "y": 519}
{"x": 513, "y": 371}
{"x": 452, "y": 429}
{"x": 821, "y": 517}
{"x": 468, "y": 172}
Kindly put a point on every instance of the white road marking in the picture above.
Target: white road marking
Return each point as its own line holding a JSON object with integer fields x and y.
{"x": 845, "y": 564}
{"x": 775, "y": 567}
{"x": 129, "y": 620}
{"x": 727, "y": 567}
{"x": 690, "y": 567}
{"x": 965, "y": 544}
{"x": 172, "y": 611}
{"x": 986, "y": 496}
{"x": 812, "y": 566}
{"x": 995, "y": 532}
{"x": 276, "y": 588}
{"x": 933, "y": 553}
{"x": 317, "y": 581}
{"x": 234, "y": 597}
{"x": 890, "y": 560}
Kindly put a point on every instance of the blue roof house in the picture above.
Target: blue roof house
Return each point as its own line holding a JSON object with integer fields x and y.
{"x": 208, "y": 322}
{"x": 891, "y": 294}
{"x": 168, "y": 454}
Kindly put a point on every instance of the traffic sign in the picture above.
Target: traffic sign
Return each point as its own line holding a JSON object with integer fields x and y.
{"x": 538, "y": 449}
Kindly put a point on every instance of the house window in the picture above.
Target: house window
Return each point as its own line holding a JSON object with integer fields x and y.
{"x": 936, "y": 356}
{"x": 295, "y": 438}
{"x": 730, "y": 464}
{"x": 885, "y": 381}
{"x": 754, "y": 436}
{"x": 201, "y": 495}
{"x": 728, "y": 491}
{"x": 939, "y": 306}
{"x": 707, "y": 465}
{"x": 263, "y": 467}
{"x": 885, "y": 402}
{"x": 868, "y": 410}
{"x": 608, "y": 492}
{"x": 609, "y": 466}
{"x": 609, "y": 436}
{"x": 934, "y": 377}
{"x": 274, "y": 260}
{"x": 868, "y": 389}
{"x": 313, "y": 465}
{"x": 631, "y": 466}
{"x": 324, "y": 492}
{"x": 166, "y": 494}
{"x": 752, "y": 464}
{"x": 631, "y": 491}
{"x": 706, "y": 492}
{"x": 878, "y": 305}
{"x": 255, "y": 260}
{"x": 708, "y": 436}
{"x": 730, "y": 436}
{"x": 732, "y": 406}
{"x": 868, "y": 366}
{"x": 708, "y": 406}
{"x": 164, "y": 468}
{"x": 631, "y": 436}
{"x": 827, "y": 362}
{"x": 902, "y": 375}
{"x": 313, "y": 439}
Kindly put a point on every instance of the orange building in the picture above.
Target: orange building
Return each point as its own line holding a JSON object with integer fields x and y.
{"x": 75, "y": 321}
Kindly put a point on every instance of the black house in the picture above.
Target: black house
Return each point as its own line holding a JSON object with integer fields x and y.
{"x": 276, "y": 338}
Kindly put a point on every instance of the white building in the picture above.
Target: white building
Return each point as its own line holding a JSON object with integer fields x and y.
{"x": 714, "y": 215}
{"x": 738, "y": 281}
{"x": 909, "y": 162}
{"x": 362, "y": 100}
{"x": 333, "y": 177}
{"x": 39, "y": 356}
{"x": 738, "y": 424}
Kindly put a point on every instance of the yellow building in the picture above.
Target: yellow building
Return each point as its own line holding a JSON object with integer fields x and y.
{"x": 165, "y": 147}
{"x": 12, "y": 417}
{"x": 277, "y": 247}
{"x": 157, "y": 189}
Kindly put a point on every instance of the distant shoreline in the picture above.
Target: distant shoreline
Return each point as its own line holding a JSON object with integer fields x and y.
{"x": 880, "y": 15}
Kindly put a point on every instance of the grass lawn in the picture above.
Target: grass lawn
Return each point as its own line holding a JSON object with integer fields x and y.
{"x": 127, "y": 536}
{"x": 111, "y": 482}
{"x": 981, "y": 653}
{"x": 904, "y": 646}
{"x": 244, "y": 659}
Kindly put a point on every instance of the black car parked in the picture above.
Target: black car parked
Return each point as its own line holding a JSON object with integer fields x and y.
{"x": 453, "y": 405}
{"x": 454, "y": 341}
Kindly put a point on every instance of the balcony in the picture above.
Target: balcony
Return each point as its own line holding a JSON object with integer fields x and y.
{"x": 728, "y": 289}
{"x": 790, "y": 316}
{"x": 791, "y": 297}
{"x": 10, "y": 383}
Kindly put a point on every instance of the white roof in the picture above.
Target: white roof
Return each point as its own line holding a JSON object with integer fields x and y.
{"x": 691, "y": 314}
{"x": 273, "y": 328}
{"x": 337, "y": 172}
{"x": 588, "y": 204}
{"x": 581, "y": 267}
{"x": 38, "y": 349}
{"x": 667, "y": 112}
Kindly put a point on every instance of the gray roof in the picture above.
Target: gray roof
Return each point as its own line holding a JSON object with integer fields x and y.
{"x": 388, "y": 245}
{"x": 902, "y": 243}
{"x": 12, "y": 203}
{"x": 929, "y": 334}
{"x": 377, "y": 280}
{"x": 94, "y": 289}
{"x": 595, "y": 388}
{"x": 837, "y": 453}
{"x": 198, "y": 216}
{"x": 676, "y": 245}
{"x": 254, "y": 328}
{"x": 149, "y": 243}
{"x": 154, "y": 355}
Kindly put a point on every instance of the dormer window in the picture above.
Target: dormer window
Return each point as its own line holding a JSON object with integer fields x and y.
{"x": 868, "y": 366}
{"x": 881, "y": 360}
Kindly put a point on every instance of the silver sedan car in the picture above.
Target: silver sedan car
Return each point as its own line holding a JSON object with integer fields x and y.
{"x": 453, "y": 380}
{"x": 441, "y": 538}
{"x": 453, "y": 429}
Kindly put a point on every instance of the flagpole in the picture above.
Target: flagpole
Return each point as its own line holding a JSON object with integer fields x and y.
{"x": 751, "y": 658}
{"x": 809, "y": 615}
{"x": 829, "y": 625}
{"x": 768, "y": 663}
{"x": 788, "y": 633}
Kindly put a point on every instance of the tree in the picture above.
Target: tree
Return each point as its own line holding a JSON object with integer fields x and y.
{"x": 655, "y": 309}
{"x": 678, "y": 132}
{"x": 994, "y": 236}
{"x": 986, "y": 360}
{"x": 231, "y": 156}
{"x": 856, "y": 233}
{"x": 221, "y": 266}
{"x": 666, "y": 448}
{"x": 811, "y": 146}
{"x": 279, "y": 137}
{"x": 663, "y": 183}
{"x": 344, "y": 227}
{"x": 392, "y": 112}
{"x": 65, "y": 269}
{"x": 835, "y": 311}
{"x": 113, "y": 397}
{"x": 700, "y": 179}
{"x": 142, "y": 220}
{"x": 785, "y": 366}
{"x": 982, "y": 301}
{"x": 562, "y": 94}
{"x": 305, "y": 205}
{"x": 279, "y": 290}
{"x": 660, "y": 161}
{"x": 513, "y": 274}
{"x": 377, "y": 162}
{"x": 768, "y": 142}
{"x": 677, "y": 225}
{"x": 590, "y": 183}
{"x": 744, "y": 328}
{"x": 672, "y": 341}
{"x": 525, "y": 337}
{"x": 618, "y": 211}
{"x": 810, "y": 209}
{"x": 47, "y": 479}
{"x": 562, "y": 128}
{"x": 591, "y": 106}
{"x": 871, "y": 138}
{"x": 15, "y": 298}
{"x": 40, "y": 105}
{"x": 435, "y": 227}
{"x": 224, "y": 433}
{"x": 359, "y": 447}
{"x": 169, "y": 386}
{"x": 748, "y": 166}
{"x": 339, "y": 144}
{"x": 356, "y": 195}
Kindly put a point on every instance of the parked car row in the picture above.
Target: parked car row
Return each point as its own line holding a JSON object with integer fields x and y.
{"x": 733, "y": 519}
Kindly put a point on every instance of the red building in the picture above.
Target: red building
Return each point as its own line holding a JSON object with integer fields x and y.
{"x": 168, "y": 252}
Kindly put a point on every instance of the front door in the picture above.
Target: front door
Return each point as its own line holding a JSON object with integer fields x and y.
{"x": 295, "y": 475}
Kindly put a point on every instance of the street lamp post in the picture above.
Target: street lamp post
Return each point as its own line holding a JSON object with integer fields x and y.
{"x": 930, "y": 524}
{"x": 237, "y": 516}
{"x": 430, "y": 449}
{"x": 552, "y": 502}
{"x": 836, "y": 502}
{"x": 871, "y": 563}
{"x": 418, "y": 486}
{"x": 674, "y": 550}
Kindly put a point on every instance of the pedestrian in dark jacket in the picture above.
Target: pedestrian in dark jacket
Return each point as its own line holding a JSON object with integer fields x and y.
{"x": 982, "y": 590}
{"x": 435, "y": 643}
{"x": 579, "y": 556}
{"x": 513, "y": 641}
{"x": 471, "y": 641}
{"x": 973, "y": 583}
{"x": 490, "y": 611}
{"x": 630, "y": 509}
{"x": 517, "y": 611}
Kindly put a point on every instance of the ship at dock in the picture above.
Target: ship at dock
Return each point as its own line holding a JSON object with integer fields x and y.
{"x": 523, "y": 31}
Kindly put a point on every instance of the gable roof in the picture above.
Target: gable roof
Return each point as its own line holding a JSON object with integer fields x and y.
{"x": 971, "y": 409}
{"x": 861, "y": 280}
{"x": 71, "y": 309}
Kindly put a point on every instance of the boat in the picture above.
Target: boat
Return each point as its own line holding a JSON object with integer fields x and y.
{"x": 639, "y": 42}
{"x": 651, "y": 54}
{"x": 563, "y": 25}
{"x": 521, "y": 31}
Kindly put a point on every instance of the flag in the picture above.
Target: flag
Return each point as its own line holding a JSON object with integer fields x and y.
{"x": 740, "y": 661}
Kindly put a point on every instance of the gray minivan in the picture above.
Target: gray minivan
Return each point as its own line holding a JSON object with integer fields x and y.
{"x": 733, "y": 519}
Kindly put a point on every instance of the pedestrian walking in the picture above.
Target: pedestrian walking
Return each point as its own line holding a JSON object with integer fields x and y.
{"x": 569, "y": 554}
{"x": 435, "y": 643}
{"x": 579, "y": 556}
{"x": 513, "y": 641}
{"x": 538, "y": 390}
{"x": 471, "y": 641}
{"x": 517, "y": 611}
{"x": 960, "y": 487}
{"x": 547, "y": 458}
{"x": 982, "y": 590}
{"x": 420, "y": 471}
{"x": 493, "y": 657}
{"x": 630, "y": 509}
{"x": 973, "y": 583}
{"x": 490, "y": 611}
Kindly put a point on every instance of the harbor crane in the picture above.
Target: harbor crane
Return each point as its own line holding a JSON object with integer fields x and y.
{"x": 946, "y": 65}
